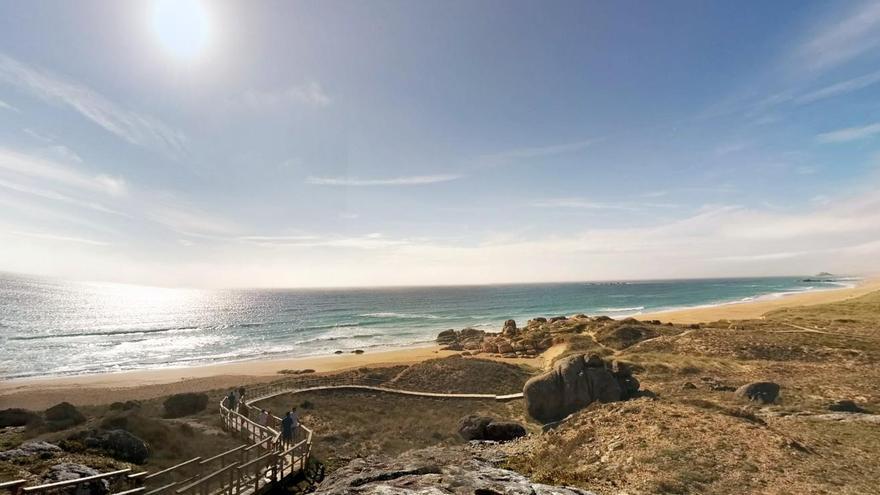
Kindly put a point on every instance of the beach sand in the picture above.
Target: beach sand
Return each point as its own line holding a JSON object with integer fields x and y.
{"x": 40, "y": 393}
{"x": 756, "y": 309}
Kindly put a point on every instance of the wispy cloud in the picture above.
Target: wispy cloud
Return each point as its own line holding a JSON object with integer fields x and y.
{"x": 843, "y": 39}
{"x": 7, "y": 106}
{"x": 509, "y": 156}
{"x": 581, "y": 203}
{"x": 135, "y": 128}
{"x": 840, "y": 88}
{"x": 416, "y": 180}
{"x": 310, "y": 93}
{"x": 31, "y": 166}
{"x": 56, "y": 196}
{"x": 849, "y": 134}
{"x": 60, "y": 238}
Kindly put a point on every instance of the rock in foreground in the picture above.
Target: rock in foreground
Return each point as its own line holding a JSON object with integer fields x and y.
{"x": 180, "y": 405}
{"x": 763, "y": 392}
{"x": 433, "y": 471}
{"x": 486, "y": 428}
{"x": 574, "y": 383}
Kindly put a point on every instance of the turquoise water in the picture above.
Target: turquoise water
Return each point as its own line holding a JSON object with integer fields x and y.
{"x": 51, "y": 327}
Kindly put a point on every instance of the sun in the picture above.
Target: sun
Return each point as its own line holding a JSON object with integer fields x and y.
{"x": 181, "y": 26}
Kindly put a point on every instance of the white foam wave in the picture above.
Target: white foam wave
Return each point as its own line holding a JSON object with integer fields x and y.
{"x": 621, "y": 310}
{"x": 407, "y": 316}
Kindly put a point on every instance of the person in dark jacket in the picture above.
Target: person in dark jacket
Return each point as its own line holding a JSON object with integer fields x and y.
{"x": 287, "y": 429}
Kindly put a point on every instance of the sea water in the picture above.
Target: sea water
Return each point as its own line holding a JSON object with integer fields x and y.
{"x": 52, "y": 327}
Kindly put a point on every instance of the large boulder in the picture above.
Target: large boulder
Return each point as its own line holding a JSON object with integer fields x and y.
{"x": 185, "y": 404}
{"x": 447, "y": 337}
{"x": 432, "y": 471}
{"x": 119, "y": 444}
{"x": 486, "y": 428}
{"x": 845, "y": 405}
{"x": 509, "y": 329}
{"x": 71, "y": 471}
{"x": 18, "y": 417}
{"x": 574, "y": 383}
{"x": 63, "y": 415}
{"x": 763, "y": 392}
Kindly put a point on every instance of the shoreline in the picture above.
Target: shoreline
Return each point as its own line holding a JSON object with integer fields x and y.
{"x": 101, "y": 388}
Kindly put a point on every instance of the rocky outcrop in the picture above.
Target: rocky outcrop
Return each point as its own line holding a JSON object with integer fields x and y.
{"x": 763, "y": 392}
{"x": 71, "y": 471}
{"x": 63, "y": 415}
{"x": 433, "y": 471}
{"x": 846, "y": 405}
{"x": 119, "y": 444}
{"x": 486, "y": 428}
{"x": 18, "y": 417}
{"x": 574, "y": 383}
{"x": 40, "y": 449}
{"x": 179, "y": 405}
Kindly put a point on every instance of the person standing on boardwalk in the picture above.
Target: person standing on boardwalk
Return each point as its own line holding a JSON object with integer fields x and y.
{"x": 263, "y": 418}
{"x": 231, "y": 400}
{"x": 294, "y": 422}
{"x": 287, "y": 429}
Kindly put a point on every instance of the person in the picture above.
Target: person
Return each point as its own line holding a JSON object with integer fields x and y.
{"x": 263, "y": 418}
{"x": 294, "y": 423}
{"x": 287, "y": 429}
{"x": 231, "y": 399}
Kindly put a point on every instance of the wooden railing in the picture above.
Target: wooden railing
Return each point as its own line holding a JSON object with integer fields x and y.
{"x": 263, "y": 460}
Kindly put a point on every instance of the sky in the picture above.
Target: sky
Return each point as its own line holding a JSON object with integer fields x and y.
{"x": 339, "y": 143}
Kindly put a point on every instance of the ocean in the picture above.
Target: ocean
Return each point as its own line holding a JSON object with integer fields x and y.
{"x": 51, "y": 327}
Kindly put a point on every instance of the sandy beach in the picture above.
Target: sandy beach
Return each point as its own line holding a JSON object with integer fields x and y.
{"x": 758, "y": 307}
{"x": 38, "y": 393}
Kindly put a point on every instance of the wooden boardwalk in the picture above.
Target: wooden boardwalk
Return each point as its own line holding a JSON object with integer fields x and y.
{"x": 262, "y": 461}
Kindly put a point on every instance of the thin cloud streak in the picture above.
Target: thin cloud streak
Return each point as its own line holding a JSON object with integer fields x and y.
{"x": 60, "y": 238}
{"x": 580, "y": 203}
{"x": 310, "y": 93}
{"x": 841, "y": 40}
{"x": 135, "y": 128}
{"x": 843, "y": 87}
{"x": 35, "y": 167}
{"x": 518, "y": 154}
{"x": 417, "y": 180}
{"x": 849, "y": 134}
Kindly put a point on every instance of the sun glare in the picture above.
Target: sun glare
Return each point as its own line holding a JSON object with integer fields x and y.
{"x": 181, "y": 26}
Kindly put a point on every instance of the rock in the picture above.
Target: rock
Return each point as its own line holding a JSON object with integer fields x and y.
{"x": 43, "y": 450}
{"x": 119, "y": 444}
{"x": 357, "y": 351}
{"x": 503, "y": 431}
{"x": 572, "y": 384}
{"x": 71, "y": 471}
{"x": 539, "y": 319}
{"x": 764, "y": 392}
{"x": 432, "y": 471}
{"x": 63, "y": 415}
{"x": 447, "y": 337}
{"x": 509, "y": 329}
{"x": 688, "y": 386}
{"x": 455, "y": 346}
{"x": 486, "y": 428}
{"x": 179, "y": 405}
{"x": 504, "y": 347}
{"x": 337, "y": 352}
{"x": 18, "y": 417}
{"x": 557, "y": 318}
{"x": 845, "y": 406}
{"x": 471, "y": 334}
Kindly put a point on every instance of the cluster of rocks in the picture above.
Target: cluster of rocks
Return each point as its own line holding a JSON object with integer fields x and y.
{"x": 117, "y": 443}
{"x": 511, "y": 342}
{"x": 486, "y": 428}
{"x": 434, "y": 470}
{"x": 38, "y": 449}
{"x": 57, "y": 417}
{"x": 576, "y": 382}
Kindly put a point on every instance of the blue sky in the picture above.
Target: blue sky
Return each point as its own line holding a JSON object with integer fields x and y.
{"x": 383, "y": 143}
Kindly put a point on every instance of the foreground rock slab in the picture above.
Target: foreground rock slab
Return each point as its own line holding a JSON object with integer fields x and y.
{"x": 433, "y": 471}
